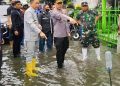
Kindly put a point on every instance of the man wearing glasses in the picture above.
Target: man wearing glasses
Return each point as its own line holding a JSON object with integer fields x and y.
{"x": 87, "y": 19}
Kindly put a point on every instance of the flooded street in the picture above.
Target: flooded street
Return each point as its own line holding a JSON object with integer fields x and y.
{"x": 75, "y": 73}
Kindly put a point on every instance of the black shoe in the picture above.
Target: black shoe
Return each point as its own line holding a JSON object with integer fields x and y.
{"x": 60, "y": 66}
{"x": 16, "y": 56}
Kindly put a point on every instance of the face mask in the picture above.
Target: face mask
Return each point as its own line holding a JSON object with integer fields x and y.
{"x": 47, "y": 10}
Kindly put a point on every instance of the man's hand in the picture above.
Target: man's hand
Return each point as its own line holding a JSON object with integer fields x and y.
{"x": 69, "y": 35}
{"x": 73, "y": 21}
{"x": 42, "y": 35}
{"x": 9, "y": 26}
{"x": 16, "y": 33}
{"x": 78, "y": 22}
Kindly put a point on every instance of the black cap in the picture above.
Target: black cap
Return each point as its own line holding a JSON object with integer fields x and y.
{"x": 84, "y": 4}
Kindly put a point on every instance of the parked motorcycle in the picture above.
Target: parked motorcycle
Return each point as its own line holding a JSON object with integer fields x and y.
{"x": 4, "y": 33}
{"x": 76, "y": 32}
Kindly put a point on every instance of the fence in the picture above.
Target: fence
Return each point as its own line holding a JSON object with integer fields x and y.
{"x": 108, "y": 33}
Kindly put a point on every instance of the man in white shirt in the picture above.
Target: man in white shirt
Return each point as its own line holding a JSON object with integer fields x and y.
{"x": 32, "y": 31}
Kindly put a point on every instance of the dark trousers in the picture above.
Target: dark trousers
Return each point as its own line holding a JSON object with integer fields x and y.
{"x": 49, "y": 42}
{"x": 61, "y": 45}
{"x": 16, "y": 45}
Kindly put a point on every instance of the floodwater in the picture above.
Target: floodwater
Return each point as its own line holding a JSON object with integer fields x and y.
{"x": 74, "y": 73}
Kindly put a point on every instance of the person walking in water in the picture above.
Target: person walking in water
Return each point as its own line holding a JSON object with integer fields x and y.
{"x": 46, "y": 22}
{"x": 32, "y": 31}
{"x": 87, "y": 19}
{"x": 61, "y": 31}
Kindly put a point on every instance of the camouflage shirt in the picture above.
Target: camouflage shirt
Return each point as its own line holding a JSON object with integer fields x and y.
{"x": 87, "y": 19}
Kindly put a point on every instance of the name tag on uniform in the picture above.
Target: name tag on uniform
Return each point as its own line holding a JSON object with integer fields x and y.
{"x": 45, "y": 18}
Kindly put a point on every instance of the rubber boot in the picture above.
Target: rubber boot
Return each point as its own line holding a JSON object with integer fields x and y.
{"x": 29, "y": 71}
{"x": 84, "y": 53}
{"x": 34, "y": 62}
{"x": 97, "y": 51}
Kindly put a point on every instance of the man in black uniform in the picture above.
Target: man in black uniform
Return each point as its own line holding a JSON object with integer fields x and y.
{"x": 17, "y": 26}
{"x": 47, "y": 27}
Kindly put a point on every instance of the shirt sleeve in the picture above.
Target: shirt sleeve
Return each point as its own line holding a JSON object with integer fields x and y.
{"x": 35, "y": 26}
{"x": 8, "y": 11}
{"x": 15, "y": 23}
{"x": 59, "y": 16}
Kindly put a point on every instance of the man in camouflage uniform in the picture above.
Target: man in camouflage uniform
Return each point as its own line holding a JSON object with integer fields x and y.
{"x": 87, "y": 20}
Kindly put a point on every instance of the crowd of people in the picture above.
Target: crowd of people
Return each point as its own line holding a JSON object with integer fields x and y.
{"x": 34, "y": 27}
